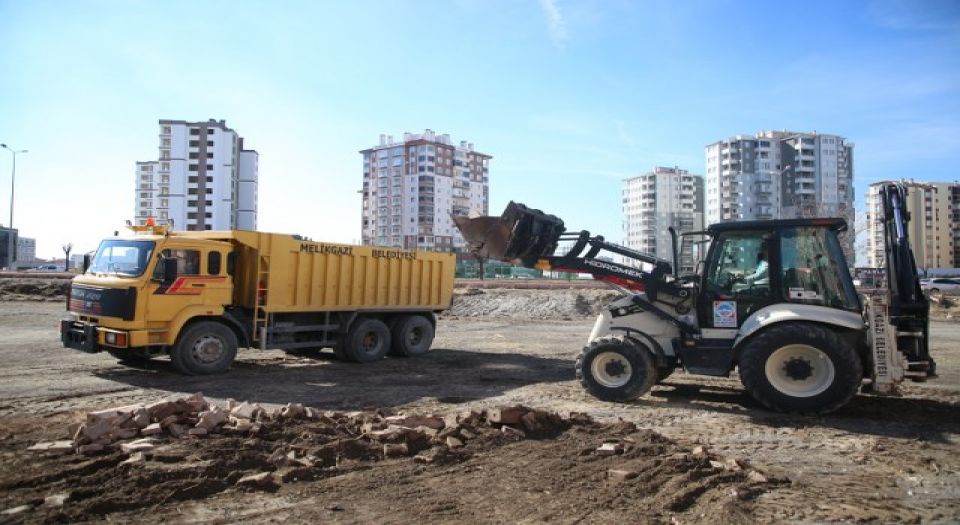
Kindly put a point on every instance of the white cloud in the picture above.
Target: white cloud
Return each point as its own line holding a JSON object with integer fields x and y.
{"x": 555, "y": 22}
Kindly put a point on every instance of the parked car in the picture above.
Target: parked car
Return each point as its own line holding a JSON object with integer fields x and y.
{"x": 940, "y": 284}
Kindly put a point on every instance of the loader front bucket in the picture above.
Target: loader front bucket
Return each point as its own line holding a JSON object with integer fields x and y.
{"x": 520, "y": 236}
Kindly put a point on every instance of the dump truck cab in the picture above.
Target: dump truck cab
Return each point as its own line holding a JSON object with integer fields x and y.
{"x": 175, "y": 279}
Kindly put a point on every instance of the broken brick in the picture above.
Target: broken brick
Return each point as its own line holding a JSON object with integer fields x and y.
{"x": 505, "y": 416}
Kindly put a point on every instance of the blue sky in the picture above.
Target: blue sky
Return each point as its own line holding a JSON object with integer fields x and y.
{"x": 569, "y": 97}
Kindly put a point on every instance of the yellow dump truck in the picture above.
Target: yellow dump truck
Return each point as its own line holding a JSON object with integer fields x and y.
{"x": 199, "y": 296}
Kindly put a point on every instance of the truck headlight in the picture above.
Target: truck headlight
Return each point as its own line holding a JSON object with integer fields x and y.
{"x": 111, "y": 338}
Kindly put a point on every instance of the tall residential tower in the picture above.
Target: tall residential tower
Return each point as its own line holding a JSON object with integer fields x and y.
{"x": 411, "y": 187}
{"x": 204, "y": 179}
{"x": 780, "y": 175}
{"x": 656, "y": 200}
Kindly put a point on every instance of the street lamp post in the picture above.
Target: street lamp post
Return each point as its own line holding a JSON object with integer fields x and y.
{"x": 13, "y": 177}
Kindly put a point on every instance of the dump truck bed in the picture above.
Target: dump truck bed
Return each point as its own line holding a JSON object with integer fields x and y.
{"x": 294, "y": 275}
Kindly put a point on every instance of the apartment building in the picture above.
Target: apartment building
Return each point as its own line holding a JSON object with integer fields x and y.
{"x": 657, "y": 200}
{"x": 934, "y": 223}
{"x": 412, "y": 186}
{"x": 203, "y": 179}
{"x": 26, "y": 249}
{"x": 780, "y": 175}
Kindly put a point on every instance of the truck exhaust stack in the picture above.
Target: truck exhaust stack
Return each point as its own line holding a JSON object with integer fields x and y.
{"x": 520, "y": 235}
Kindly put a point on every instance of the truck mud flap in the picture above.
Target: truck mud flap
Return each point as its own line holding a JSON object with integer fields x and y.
{"x": 79, "y": 336}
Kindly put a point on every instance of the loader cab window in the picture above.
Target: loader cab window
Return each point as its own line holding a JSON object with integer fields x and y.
{"x": 188, "y": 262}
{"x": 812, "y": 274}
{"x": 740, "y": 266}
{"x": 213, "y": 263}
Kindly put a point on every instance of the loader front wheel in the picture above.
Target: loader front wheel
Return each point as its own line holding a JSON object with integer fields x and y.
{"x": 801, "y": 368}
{"x": 613, "y": 369}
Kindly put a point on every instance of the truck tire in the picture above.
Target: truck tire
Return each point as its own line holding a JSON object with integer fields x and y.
{"x": 800, "y": 368}
{"x": 204, "y": 348}
{"x": 612, "y": 369}
{"x": 411, "y": 336}
{"x": 368, "y": 340}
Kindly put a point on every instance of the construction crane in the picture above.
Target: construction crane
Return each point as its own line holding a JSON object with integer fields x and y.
{"x": 772, "y": 299}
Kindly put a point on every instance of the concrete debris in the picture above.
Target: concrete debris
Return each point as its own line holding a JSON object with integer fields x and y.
{"x": 56, "y": 500}
{"x": 393, "y": 450}
{"x": 151, "y": 430}
{"x": 13, "y": 511}
{"x": 90, "y": 449}
{"x": 756, "y": 477}
{"x": 698, "y": 452}
{"x": 197, "y": 431}
{"x": 246, "y": 411}
{"x": 453, "y": 442}
{"x": 610, "y": 449}
{"x": 621, "y": 474}
{"x": 53, "y": 446}
{"x": 513, "y": 432}
{"x": 263, "y": 480}
{"x": 210, "y": 419}
{"x": 137, "y": 458}
{"x": 140, "y": 445}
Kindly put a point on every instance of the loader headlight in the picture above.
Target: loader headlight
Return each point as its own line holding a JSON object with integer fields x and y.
{"x": 111, "y": 338}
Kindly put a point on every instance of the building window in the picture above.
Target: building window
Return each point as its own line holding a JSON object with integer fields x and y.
{"x": 194, "y": 131}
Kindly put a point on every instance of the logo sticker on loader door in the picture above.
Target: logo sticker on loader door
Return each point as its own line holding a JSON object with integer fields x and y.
{"x": 724, "y": 314}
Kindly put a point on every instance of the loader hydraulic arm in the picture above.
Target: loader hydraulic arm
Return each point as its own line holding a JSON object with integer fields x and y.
{"x": 909, "y": 309}
{"x": 530, "y": 238}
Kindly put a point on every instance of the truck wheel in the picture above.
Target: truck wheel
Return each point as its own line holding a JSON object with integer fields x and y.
{"x": 800, "y": 368}
{"x": 612, "y": 369}
{"x": 368, "y": 340}
{"x": 204, "y": 348}
{"x": 412, "y": 335}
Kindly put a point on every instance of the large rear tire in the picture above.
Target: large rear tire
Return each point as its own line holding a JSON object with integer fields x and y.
{"x": 411, "y": 336}
{"x": 614, "y": 369}
{"x": 801, "y": 368}
{"x": 368, "y": 340}
{"x": 204, "y": 348}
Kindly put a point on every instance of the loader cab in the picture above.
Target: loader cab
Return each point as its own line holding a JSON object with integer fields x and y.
{"x": 755, "y": 264}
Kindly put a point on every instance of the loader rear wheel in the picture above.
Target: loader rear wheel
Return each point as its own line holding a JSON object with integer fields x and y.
{"x": 368, "y": 340}
{"x": 204, "y": 348}
{"x": 411, "y": 335}
{"x": 800, "y": 368}
{"x": 613, "y": 369}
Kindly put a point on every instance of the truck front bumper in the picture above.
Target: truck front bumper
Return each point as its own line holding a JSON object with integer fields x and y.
{"x": 79, "y": 336}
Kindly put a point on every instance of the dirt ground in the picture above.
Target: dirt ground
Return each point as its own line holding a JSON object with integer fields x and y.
{"x": 876, "y": 460}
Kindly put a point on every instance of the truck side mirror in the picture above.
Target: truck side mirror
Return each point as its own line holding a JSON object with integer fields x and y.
{"x": 166, "y": 270}
{"x": 169, "y": 270}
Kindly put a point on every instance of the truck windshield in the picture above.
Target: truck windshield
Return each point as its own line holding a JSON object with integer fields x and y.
{"x": 124, "y": 258}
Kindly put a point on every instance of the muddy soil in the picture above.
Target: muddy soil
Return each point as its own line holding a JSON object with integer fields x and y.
{"x": 878, "y": 459}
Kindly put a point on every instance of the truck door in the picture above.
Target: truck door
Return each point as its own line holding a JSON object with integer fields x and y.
{"x": 201, "y": 280}
{"x": 737, "y": 280}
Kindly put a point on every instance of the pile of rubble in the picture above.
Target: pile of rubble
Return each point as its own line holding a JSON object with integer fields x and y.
{"x": 137, "y": 430}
